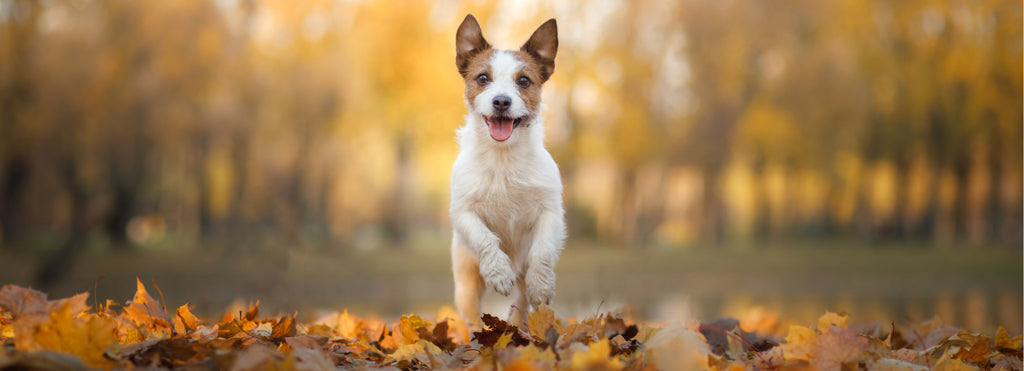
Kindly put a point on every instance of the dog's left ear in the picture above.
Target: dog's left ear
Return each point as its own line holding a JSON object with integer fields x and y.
{"x": 543, "y": 45}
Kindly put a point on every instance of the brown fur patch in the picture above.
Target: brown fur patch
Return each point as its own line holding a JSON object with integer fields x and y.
{"x": 535, "y": 72}
{"x": 479, "y": 63}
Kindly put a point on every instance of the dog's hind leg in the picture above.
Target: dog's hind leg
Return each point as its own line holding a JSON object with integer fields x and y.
{"x": 469, "y": 285}
{"x": 517, "y": 314}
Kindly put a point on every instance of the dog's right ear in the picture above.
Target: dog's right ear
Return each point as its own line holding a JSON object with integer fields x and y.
{"x": 469, "y": 40}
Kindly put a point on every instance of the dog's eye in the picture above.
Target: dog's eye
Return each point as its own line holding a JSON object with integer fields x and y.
{"x": 483, "y": 79}
{"x": 524, "y": 82}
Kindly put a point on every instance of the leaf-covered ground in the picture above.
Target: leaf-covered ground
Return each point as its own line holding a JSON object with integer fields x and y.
{"x": 68, "y": 334}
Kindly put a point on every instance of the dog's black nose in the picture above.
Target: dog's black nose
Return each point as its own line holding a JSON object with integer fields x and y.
{"x": 502, "y": 103}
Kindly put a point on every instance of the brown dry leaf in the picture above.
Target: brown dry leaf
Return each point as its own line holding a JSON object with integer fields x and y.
{"x": 495, "y": 329}
{"x": 939, "y": 335}
{"x": 310, "y": 359}
{"x": 256, "y": 358}
{"x": 457, "y": 328}
{"x": 284, "y": 327}
{"x": 977, "y": 352}
{"x": 888, "y": 364}
{"x": 438, "y": 336}
{"x": 86, "y": 337}
{"x": 837, "y": 348}
{"x": 22, "y": 302}
{"x": 43, "y": 360}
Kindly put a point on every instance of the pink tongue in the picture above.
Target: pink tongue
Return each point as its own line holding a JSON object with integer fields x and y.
{"x": 501, "y": 128}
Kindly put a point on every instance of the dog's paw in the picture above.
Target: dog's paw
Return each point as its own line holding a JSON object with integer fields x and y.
{"x": 540, "y": 285}
{"x": 498, "y": 274}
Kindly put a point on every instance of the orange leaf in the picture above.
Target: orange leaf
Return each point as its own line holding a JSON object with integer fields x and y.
{"x": 185, "y": 321}
{"x": 540, "y": 321}
{"x": 144, "y": 311}
{"x": 86, "y": 337}
{"x": 284, "y": 328}
{"x": 977, "y": 353}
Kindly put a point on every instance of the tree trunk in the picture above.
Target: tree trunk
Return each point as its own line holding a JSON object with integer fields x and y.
{"x": 12, "y": 227}
{"x": 628, "y": 208}
{"x": 711, "y": 222}
{"x": 55, "y": 267}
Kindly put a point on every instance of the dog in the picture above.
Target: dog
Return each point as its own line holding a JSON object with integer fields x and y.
{"x": 506, "y": 192}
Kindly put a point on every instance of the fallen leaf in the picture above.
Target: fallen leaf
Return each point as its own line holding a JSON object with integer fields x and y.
{"x": 977, "y": 352}
{"x": 540, "y": 321}
{"x": 678, "y": 347}
{"x": 1004, "y": 341}
{"x": 596, "y": 357}
{"x": 22, "y": 302}
{"x": 830, "y": 319}
{"x": 838, "y": 348}
{"x": 42, "y": 361}
{"x": 950, "y": 364}
{"x": 184, "y": 320}
{"x": 145, "y": 311}
{"x": 799, "y": 343}
{"x": 284, "y": 327}
{"x": 86, "y": 337}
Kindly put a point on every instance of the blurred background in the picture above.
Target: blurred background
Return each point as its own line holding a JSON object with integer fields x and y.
{"x": 720, "y": 158}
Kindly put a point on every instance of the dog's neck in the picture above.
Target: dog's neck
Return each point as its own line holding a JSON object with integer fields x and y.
{"x": 473, "y": 137}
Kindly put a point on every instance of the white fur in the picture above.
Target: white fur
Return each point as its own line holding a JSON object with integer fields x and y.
{"x": 504, "y": 67}
{"x": 506, "y": 206}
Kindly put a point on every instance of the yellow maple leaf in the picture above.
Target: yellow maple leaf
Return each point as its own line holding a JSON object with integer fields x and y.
{"x": 1003, "y": 339}
{"x": 597, "y": 356}
{"x": 350, "y": 326}
{"x": 408, "y": 325}
{"x": 799, "y": 343}
{"x": 503, "y": 341}
{"x": 830, "y": 319}
{"x": 87, "y": 336}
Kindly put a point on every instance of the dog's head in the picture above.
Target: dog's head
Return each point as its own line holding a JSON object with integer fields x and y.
{"x": 503, "y": 86}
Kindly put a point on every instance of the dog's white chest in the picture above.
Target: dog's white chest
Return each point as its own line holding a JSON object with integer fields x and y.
{"x": 507, "y": 202}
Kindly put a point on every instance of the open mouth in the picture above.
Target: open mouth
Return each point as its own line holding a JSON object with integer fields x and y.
{"x": 501, "y": 127}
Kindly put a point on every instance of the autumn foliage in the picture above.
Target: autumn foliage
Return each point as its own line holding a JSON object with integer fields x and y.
{"x": 38, "y": 333}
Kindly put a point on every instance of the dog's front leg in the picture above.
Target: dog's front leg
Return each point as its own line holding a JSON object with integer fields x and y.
{"x": 495, "y": 267}
{"x": 547, "y": 243}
